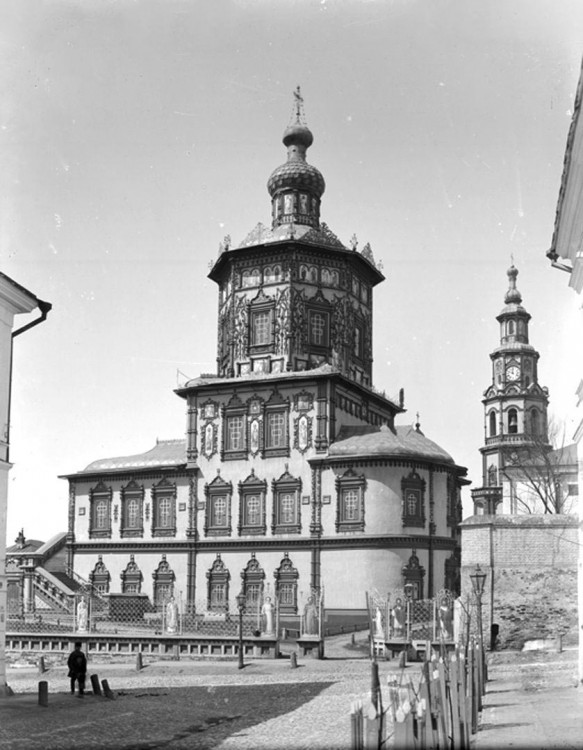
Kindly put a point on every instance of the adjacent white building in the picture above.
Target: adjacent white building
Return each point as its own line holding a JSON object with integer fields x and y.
{"x": 14, "y": 300}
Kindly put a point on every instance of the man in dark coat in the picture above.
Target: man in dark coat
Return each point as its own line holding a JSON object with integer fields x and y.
{"x": 77, "y": 663}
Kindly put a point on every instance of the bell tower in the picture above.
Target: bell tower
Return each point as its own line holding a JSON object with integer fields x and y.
{"x": 515, "y": 405}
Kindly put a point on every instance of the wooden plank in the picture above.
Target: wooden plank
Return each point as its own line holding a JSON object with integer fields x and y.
{"x": 456, "y": 724}
{"x": 371, "y": 732}
{"x": 444, "y": 715}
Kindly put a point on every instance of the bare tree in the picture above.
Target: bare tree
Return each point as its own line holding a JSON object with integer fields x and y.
{"x": 543, "y": 473}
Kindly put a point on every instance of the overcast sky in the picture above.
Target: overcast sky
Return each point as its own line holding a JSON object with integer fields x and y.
{"x": 136, "y": 135}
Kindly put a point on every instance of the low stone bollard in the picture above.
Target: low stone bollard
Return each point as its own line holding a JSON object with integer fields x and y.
{"x": 403, "y": 659}
{"x": 139, "y": 662}
{"x": 107, "y": 691}
{"x": 95, "y": 686}
{"x": 293, "y": 660}
{"x": 41, "y": 665}
{"x": 353, "y": 640}
{"x": 43, "y": 693}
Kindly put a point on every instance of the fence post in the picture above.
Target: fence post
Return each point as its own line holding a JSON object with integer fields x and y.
{"x": 107, "y": 690}
{"x": 41, "y": 665}
{"x": 95, "y": 684}
{"x": 43, "y": 693}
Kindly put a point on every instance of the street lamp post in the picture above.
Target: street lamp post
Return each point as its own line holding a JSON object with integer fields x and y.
{"x": 478, "y": 579}
{"x": 241, "y": 601}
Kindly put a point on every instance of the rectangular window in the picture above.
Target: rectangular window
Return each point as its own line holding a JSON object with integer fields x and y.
{"x": 287, "y": 595}
{"x": 287, "y": 505}
{"x": 319, "y": 328}
{"x": 351, "y": 503}
{"x": 234, "y": 433}
{"x": 100, "y": 515}
{"x": 133, "y": 513}
{"x": 164, "y": 512}
{"x": 101, "y": 519}
{"x": 252, "y": 510}
{"x": 261, "y": 328}
{"x": 218, "y": 595}
{"x": 287, "y": 511}
{"x": 276, "y": 437}
{"x": 163, "y": 592}
{"x": 253, "y": 593}
{"x": 219, "y": 511}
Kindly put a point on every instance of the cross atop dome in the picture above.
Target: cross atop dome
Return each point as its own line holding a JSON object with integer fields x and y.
{"x": 298, "y": 116}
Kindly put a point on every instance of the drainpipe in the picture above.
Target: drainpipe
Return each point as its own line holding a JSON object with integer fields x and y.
{"x": 45, "y": 308}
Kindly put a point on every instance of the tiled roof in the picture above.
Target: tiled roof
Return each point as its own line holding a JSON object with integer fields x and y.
{"x": 322, "y": 235}
{"x": 164, "y": 453}
{"x": 30, "y": 545}
{"x": 403, "y": 441}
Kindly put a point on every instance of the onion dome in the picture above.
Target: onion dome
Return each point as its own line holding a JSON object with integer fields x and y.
{"x": 513, "y": 317}
{"x": 296, "y": 186}
{"x": 512, "y": 296}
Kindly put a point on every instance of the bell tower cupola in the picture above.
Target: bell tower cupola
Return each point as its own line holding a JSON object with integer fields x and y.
{"x": 296, "y": 187}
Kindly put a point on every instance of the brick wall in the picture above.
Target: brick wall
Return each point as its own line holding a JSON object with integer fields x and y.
{"x": 531, "y": 566}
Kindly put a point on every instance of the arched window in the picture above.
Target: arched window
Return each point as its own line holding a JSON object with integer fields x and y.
{"x": 163, "y": 582}
{"x": 164, "y": 509}
{"x": 253, "y": 576}
{"x": 131, "y": 578}
{"x": 132, "y": 498}
{"x": 512, "y": 421}
{"x": 286, "y": 504}
{"x": 286, "y": 586}
{"x": 414, "y": 573}
{"x": 534, "y": 422}
{"x": 218, "y": 495}
{"x": 100, "y": 577}
{"x": 100, "y": 505}
{"x": 413, "y": 489}
{"x": 493, "y": 425}
{"x": 350, "y": 491}
{"x": 252, "y": 494}
{"x": 492, "y": 476}
{"x": 510, "y": 327}
{"x": 218, "y": 586}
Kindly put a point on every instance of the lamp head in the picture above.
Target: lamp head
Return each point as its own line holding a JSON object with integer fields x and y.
{"x": 478, "y": 580}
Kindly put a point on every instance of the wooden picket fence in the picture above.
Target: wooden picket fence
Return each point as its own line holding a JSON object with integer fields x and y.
{"x": 439, "y": 712}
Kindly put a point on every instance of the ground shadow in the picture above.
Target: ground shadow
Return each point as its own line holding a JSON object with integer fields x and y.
{"x": 208, "y": 715}
{"x": 508, "y": 725}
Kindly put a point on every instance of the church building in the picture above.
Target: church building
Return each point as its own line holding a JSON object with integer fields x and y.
{"x": 293, "y": 475}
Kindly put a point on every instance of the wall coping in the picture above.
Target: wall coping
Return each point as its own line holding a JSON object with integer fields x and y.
{"x": 534, "y": 521}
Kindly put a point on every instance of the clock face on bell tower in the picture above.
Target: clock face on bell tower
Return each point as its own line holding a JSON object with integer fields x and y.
{"x": 512, "y": 373}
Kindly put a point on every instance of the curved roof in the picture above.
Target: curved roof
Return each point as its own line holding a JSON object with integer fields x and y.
{"x": 402, "y": 442}
{"x": 164, "y": 453}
